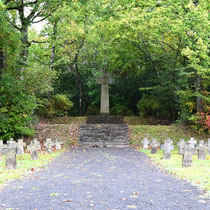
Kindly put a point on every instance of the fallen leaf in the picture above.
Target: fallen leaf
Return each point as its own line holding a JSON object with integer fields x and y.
{"x": 66, "y": 200}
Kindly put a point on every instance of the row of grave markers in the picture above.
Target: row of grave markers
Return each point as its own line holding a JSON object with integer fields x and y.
{"x": 13, "y": 148}
{"x": 186, "y": 149}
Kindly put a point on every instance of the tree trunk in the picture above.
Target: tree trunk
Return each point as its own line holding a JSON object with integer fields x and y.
{"x": 197, "y": 90}
{"x": 52, "y": 57}
{"x": 25, "y": 44}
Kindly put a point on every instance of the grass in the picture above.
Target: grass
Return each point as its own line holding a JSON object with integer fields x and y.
{"x": 161, "y": 132}
{"x": 25, "y": 165}
{"x": 198, "y": 174}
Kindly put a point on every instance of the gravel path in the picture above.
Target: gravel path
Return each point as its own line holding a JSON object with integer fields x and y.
{"x": 101, "y": 178}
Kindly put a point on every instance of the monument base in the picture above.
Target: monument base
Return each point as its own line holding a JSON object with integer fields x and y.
{"x": 107, "y": 135}
{"x": 104, "y": 119}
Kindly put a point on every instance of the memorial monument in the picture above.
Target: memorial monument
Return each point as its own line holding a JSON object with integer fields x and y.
{"x": 104, "y": 130}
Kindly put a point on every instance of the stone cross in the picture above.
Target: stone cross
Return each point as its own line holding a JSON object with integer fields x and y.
{"x": 48, "y": 144}
{"x": 11, "y": 162}
{"x": 167, "y": 147}
{"x": 58, "y": 144}
{"x": 104, "y": 81}
{"x": 193, "y": 143}
{"x": 180, "y": 144}
{"x": 208, "y": 146}
{"x": 154, "y": 145}
{"x": 3, "y": 148}
{"x": 187, "y": 159}
{"x": 20, "y": 146}
{"x": 145, "y": 143}
{"x": 33, "y": 148}
{"x": 201, "y": 150}
{"x": 11, "y": 143}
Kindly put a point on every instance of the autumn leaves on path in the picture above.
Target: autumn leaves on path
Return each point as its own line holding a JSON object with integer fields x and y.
{"x": 101, "y": 178}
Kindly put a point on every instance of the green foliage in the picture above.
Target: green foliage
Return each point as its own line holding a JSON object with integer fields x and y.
{"x": 151, "y": 106}
{"x": 93, "y": 110}
{"x": 121, "y": 110}
{"x": 58, "y": 105}
{"x": 17, "y": 108}
{"x": 38, "y": 79}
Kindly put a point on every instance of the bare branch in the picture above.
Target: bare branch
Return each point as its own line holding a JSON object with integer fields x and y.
{"x": 13, "y": 25}
{"x": 39, "y": 42}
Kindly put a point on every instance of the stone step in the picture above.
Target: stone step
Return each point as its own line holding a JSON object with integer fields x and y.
{"x": 103, "y": 135}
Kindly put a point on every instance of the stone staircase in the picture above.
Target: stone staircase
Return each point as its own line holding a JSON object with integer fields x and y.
{"x": 110, "y": 132}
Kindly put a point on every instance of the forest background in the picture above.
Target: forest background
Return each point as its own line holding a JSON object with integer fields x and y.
{"x": 157, "y": 51}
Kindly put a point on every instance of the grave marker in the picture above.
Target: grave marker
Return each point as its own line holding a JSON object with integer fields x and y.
{"x": 187, "y": 159}
{"x": 193, "y": 143}
{"x": 208, "y": 146}
{"x": 48, "y": 144}
{"x": 20, "y": 146}
{"x": 180, "y": 144}
{"x": 201, "y": 150}
{"x": 167, "y": 147}
{"x": 145, "y": 143}
{"x": 154, "y": 145}
{"x": 33, "y": 148}
{"x": 58, "y": 144}
{"x": 11, "y": 151}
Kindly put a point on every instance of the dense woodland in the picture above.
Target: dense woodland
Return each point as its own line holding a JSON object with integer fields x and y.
{"x": 157, "y": 51}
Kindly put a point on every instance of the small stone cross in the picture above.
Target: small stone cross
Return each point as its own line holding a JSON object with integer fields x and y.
{"x": 208, "y": 146}
{"x": 193, "y": 143}
{"x": 154, "y": 145}
{"x": 11, "y": 150}
{"x": 104, "y": 81}
{"x": 58, "y": 144}
{"x": 20, "y": 146}
{"x": 187, "y": 159}
{"x": 3, "y": 148}
{"x": 48, "y": 144}
{"x": 167, "y": 147}
{"x": 33, "y": 148}
{"x": 11, "y": 143}
{"x": 145, "y": 143}
{"x": 201, "y": 150}
{"x": 180, "y": 144}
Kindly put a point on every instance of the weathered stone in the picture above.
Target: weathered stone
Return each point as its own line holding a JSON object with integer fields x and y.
{"x": 104, "y": 119}
{"x": 58, "y": 144}
{"x": 103, "y": 135}
{"x": 208, "y": 146}
{"x": 20, "y": 146}
{"x": 104, "y": 81}
{"x": 193, "y": 143}
{"x": 1, "y": 147}
{"x": 145, "y": 143}
{"x": 33, "y": 151}
{"x": 154, "y": 145}
{"x": 187, "y": 159}
{"x": 33, "y": 148}
{"x": 11, "y": 162}
{"x": 201, "y": 150}
{"x": 167, "y": 147}
{"x": 48, "y": 144}
{"x": 181, "y": 146}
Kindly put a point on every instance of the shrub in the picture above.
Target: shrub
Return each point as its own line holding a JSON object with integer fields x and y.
{"x": 151, "y": 106}
{"x": 93, "y": 110}
{"x": 122, "y": 110}
{"x": 58, "y": 105}
{"x": 17, "y": 108}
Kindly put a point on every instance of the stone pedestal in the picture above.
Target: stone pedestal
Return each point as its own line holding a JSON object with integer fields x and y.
{"x": 104, "y": 130}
